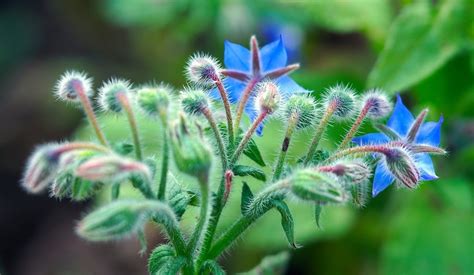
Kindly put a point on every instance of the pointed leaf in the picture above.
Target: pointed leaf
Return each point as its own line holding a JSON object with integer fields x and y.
{"x": 252, "y": 152}
{"x": 246, "y": 198}
{"x": 243, "y": 170}
{"x": 318, "y": 208}
{"x": 286, "y": 221}
{"x": 159, "y": 257}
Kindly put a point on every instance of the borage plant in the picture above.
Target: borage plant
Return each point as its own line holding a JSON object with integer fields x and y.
{"x": 208, "y": 149}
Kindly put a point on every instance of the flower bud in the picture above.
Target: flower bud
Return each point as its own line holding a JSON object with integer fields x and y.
{"x": 154, "y": 100}
{"x": 377, "y": 104}
{"x": 120, "y": 219}
{"x": 341, "y": 100}
{"x": 191, "y": 152}
{"x": 304, "y": 107}
{"x": 352, "y": 171}
{"x": 402, "y": 166}
{"x": 312, "y": 185}
{"x": 62, "y": 186}
{"x": 70, "y": 83}
{"x": 111, "y": 168}
{"x": 268, "y": 97}
{"x": 202, "y": 70}
{"x": 41, "y": 168}
{"x": 109, "y": 91}
{"x": 194, "y": 101}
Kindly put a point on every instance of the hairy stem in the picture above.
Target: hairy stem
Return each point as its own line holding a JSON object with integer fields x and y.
{"x": 86, "y": 104}
{"x": 285, "y": 145}
{"x": 243, "y": 101}
{"x": 164, "y": 163}
{"x": 125, "y": 102}
{"x": 220, "y": 143}
{"x": 228, "y": 112}
{"x": 247, "y": 137}
{"x": 203, "y": 216}
{"x": 367, "y": 149}
{"x": 319, "y": 132}
{"x": 355, "y": 126}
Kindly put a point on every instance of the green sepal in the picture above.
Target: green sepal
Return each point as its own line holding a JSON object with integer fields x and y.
{"x": 123, "y": 148}
{"x": 246, "y": 198}
{"x": 212, "y": 267}
{"x": 273, "y": 264}
{"x": 318, "y": 208}
{"x": 83, "y": 189}
{"x": 286, "y": 221}
{"x": 243, "y": 170}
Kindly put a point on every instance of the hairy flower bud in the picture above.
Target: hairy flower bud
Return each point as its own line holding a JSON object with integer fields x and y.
{"x": 352, "y": 171}
{"x": 341, "y": 100}
{"x": 312, "y": 185}
{"x": 402, "y": 166}
{"x": 69, "y": 85}
{"x": 108, "y": 94}
{"x": 202, "y": 70}
{"x": 111, "y": 168}
{"x": 377, "y": 104}
{"x": 304, "y": 107}
{"x": 268, "y": 97}
{"x": 154, "y": 100}
{"x": 41, "y": 168}
{"x": 194, "y": 101}
{"x": 121, "y": 218}
{"x": 191, "y": 152}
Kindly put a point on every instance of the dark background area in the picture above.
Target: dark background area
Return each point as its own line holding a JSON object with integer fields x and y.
{"x": 151, "y": 40}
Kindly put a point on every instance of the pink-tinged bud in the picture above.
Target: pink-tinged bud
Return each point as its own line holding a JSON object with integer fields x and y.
{"x": 71, "y": 83}
{"x": 203, "y": 70}
{"x": 352, "y": 171}
{"x": 109, "y": 92}
{"x": 402, "y": 166}
{"x": 111, "y": 168}
{"x": 41, "y": 168}
{"x": 377, "y": 104}
{"x": 268, "y": 97}
{"x": 228, "y": 184}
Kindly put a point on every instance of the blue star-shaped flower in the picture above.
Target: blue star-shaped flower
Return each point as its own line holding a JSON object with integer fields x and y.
{"x": 246, "y": 68}
{"x": 403, "y": 127}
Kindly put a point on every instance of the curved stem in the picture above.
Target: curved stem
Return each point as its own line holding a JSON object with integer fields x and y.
{"x": 228, "y": 113}
{"x": 285, "y": 145}
{"x": 366, "y": 149}
{"x": 319, "y": 132}
{"x": 203, "y": 216}
{"x": 243, "y": 101}
{"x": 220, "y": 143}
{"x": 125, "y": 102}
{"x": 355, "y": 126}
{"x": 164, "y": 163}
{"x": 86, "y": 104}
{"x": 248, "y": 136}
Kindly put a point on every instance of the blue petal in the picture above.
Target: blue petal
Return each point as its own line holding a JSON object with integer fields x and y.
{"x": 369, "y": 139}
{"x": 234, "y": 90}
{"x": 236, "y": 57}
{"x": 401, "y": 119}
{"x": 430, "y": 133}
{"x": 288, "y": 86}
{"x": 273, "y": 55}
{"x": 425, "y": 166}
{"x": 382, "y": 179}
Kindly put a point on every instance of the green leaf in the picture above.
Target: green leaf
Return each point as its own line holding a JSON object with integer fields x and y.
{"x": 213, "y": 267}
{"x": 243, "y": 170}
{"x": 318, "y": 208}
{"x": 246, "y": 198}
{"x": 172, "y": 266}
{"x": 271, "y": 265}
{"x": 252, "y": 152}
{"x": 421, "y": 40}
{"x": 286, "y": 221}
{"x": 159, "y": 257}
{"x": 177, "y": 198}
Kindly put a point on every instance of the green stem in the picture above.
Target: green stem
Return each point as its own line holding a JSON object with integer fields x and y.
{"x": 355, "y": 126}
{"x": 247, "y": 137}
{"x": 203, "y": 216}
{"x": 243, "y": 101}
{"x": 220, "y": 143}
{"x": 164, "y": 163}
{"x": 367, "y": 149}
{"x": 319, "y": 132}
{"x": 86, "y": 104}
{"x": 285, "y": 145}
{"x": 228, "y": 113}
{"x": 125, "y": 102}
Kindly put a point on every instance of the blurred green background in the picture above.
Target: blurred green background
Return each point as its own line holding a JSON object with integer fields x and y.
{"x": 421, "y": 49}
